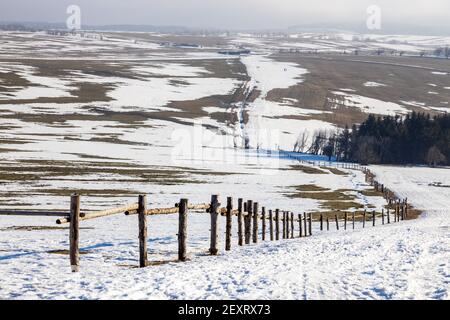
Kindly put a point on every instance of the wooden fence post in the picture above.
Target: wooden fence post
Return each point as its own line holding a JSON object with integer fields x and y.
{"x": 263, "y": 222}
{"x": 382, "y": 216}
{"x": 300, "y": 225}
{"x": 284, "y": 224}
{"x": 142, "y": 208}
{"x": 74, "y": 233}
{"x": 277, "y": 224}
{"x": 337, "y": 222}
{"x": 255, "y": 222}
{"x": 248, "y": 221}
{"x": 215, "y": 205}
{"x": 271, "y": 224}
{"x": 321, "y": 222}
{"x": 304, "y": 224}
{"x": 287, "y": 225}
{"x": 292, "y": 225}
{"x": 388, "y": 216}
{"x": 373, "y": 218}
{"x": 406, "y": 208}
{"x": 240, "y": 235}
{"x": 182, "y": 229}
{"x": 364, "y": 218}
{"x": 228, "y": 224}
{"x": 310, "y": 223}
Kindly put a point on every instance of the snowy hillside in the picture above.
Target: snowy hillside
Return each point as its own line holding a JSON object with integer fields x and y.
{"x": 405, "y": 260}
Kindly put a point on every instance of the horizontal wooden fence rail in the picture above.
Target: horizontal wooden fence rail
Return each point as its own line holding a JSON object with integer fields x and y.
{"x": 36, "y": 213}
{"x": 171, "y": 210}
{"x": 102, "y": 213}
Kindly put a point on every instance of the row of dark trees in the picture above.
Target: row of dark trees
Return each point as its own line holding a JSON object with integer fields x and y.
{"x": 416, "y": 138}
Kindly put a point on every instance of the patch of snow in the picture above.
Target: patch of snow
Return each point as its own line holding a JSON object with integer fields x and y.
{"x": 373, "y": 84}
{"x": 370, "y": 105}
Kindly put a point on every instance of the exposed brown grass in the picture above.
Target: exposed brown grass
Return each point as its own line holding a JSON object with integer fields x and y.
{"x": 336, "y": 171}
{"x": 309, "y": 188}
{"x": 305, "y": 169}
{"x": 371, "y": 193}
{"x": 341, "y": 205}
{"x": 327, "y": 195}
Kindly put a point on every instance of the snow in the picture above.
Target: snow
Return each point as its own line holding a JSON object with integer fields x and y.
{"x": 369, "y": 105}
{"x": 155, "y": 93}
{"x": 43, "y": 87}
{"x": 407, "y": 260}
{"x": 173, "y": 70}
{"x": 269, "y": 125}
{"x": 282, "y": 74}
{"x": 373, "y": 84}
{"x": 439, "y": 73}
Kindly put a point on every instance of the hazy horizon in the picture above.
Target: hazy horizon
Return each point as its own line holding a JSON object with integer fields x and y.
{"x": 415, "y": 16}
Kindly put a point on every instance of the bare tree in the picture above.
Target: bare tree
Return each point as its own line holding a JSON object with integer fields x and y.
{"x": 438, "y": 52}
{"x": 302, "y": 139}
{"x": 435, "y": 157}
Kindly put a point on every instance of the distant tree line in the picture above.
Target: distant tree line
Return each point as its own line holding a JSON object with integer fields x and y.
{"x": 416, "y": 138}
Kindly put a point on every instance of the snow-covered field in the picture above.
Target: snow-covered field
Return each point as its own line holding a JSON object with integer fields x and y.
{"x": 116, "y": 116}
{"x": 406, "y": 260}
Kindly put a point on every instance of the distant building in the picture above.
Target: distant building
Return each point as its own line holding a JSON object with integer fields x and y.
{"x": 235, "y": 52}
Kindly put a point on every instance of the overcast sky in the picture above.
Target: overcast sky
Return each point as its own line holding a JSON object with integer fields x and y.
{"x": 237, "y": 14}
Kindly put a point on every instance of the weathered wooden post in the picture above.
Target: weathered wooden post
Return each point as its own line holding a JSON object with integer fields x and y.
{"x": 304, "y": 224}
{"x": 364, "y": 218}
{"x": 245, "y": 207}
{"x": 388, "y": 216}
{"x": 74, "y": 233}
{"x": 292, "y": 225}
{"x": 271, "y": 225}
{"x": 353, "y": 220}
{"x": 240, "y": 234}
{"x": 287, "y": 225}
{"x": 142, "y": 208}
{"x": 228, "y": 224}
{"x": 214, "y": 212}
{"x": 310, "y": 223}
{"x": 382, "y": 216}
{"x": 406, "y": 208}
{"x": 403, "y": 211}
{"x": 337, "y": 222}
{"x": 248, "y": 221}
{"x": 345, "y": 220}
{"x": 300, "y": 225}
{"x": 182, "y": 229}
{"x": 255, "y": 222}
{"x": 321, "y": 222}
{"x": 263, "y": 222}
{"x": 328, "y": 224}
{"x": 373, "y": 218}
{"x": 284, "y": 224}
{"x": 277, "y": 224}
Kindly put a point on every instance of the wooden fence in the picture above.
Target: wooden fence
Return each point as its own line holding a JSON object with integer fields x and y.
{"x": 250, "y": 216}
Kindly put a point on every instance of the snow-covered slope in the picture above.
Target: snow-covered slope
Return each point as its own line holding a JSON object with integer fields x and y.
{"x": 407, "y": 260}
